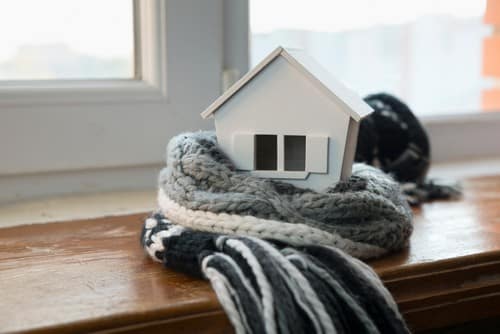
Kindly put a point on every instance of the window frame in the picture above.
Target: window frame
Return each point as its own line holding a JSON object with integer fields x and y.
{"x": 70, "y": 129}
{"x": 280, "y": 171}
{"x": 66, "y": 136}
{"x": 148, "y": 84}
{"x": 461, "y": 137}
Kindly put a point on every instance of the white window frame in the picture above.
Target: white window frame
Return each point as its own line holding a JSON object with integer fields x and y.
{"x": 149, "y": 84}
{"x": 56, "y": 133}
{"x": 464, "y": 137}
{"x": 68, "y": 136}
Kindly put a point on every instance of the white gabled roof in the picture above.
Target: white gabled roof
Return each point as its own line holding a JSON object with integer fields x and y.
{"x": 356, "y": 107}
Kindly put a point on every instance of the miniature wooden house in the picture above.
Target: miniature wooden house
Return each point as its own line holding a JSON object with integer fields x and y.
{"x": 289, "y": 119}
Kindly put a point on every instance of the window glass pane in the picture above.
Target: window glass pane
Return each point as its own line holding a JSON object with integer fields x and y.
{"x": 295, "y": 153}
{"x": 427, "y": 52}
{"x": 61, "y": 39}
{"x": 266, "y": 152}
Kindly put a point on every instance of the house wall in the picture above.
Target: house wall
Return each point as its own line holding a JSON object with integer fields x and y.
{"x": 350, "y": 148}
{"x": 281, "y": 100}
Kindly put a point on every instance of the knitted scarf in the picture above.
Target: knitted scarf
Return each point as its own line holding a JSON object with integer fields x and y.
{"x": 280, "y": 259}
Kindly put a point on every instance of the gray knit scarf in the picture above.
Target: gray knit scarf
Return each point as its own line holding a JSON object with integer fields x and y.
{"x": 281, "y": 259}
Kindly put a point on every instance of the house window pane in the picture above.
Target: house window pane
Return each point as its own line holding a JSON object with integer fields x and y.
{"x": 266, "y": 152}
{"x": 430, "y": 53}
{"x": 295, "y": 153}
{"x": 61, "y": 39}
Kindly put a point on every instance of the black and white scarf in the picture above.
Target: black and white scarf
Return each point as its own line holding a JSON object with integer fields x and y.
{"x": 280, "y": 259}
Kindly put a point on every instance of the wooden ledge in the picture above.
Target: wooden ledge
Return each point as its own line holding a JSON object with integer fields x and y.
{"x": 88, "y": 276}
{"x": 450, "y": 274}
{"x": 92, "y": 275}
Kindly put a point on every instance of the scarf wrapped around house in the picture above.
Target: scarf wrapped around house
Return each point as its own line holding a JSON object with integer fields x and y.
{"x": 280, "y": 259}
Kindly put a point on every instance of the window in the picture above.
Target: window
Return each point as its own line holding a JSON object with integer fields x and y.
{"x": 60, "y": 39}
{"x": 105, "y": 131}
{"x": 295, "y": 153}
{"x": 266, "y": 152}
{"x": 102, "y": 130}
{"x": 429, "y": 53}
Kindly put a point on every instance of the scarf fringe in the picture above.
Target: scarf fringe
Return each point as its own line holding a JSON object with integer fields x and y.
{"x": 429, "y": 190}
{"x": 268, "y": 287}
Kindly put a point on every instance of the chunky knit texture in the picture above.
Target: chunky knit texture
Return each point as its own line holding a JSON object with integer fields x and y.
{"x": 279, "y": 257}
{"x": 393, "y": 139}
{"x": 366, "y": 214}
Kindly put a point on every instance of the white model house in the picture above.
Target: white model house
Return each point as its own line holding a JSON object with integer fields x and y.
{"x": 289, "y": 119}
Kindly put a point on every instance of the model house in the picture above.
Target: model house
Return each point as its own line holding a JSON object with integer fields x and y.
{"x": 289, "y": 119}
{"x": 97, "y": 96}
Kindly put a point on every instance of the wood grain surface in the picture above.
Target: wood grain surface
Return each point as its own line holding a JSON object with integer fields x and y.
{"x": 451, "y": 271}
{"x": 92, "y": 276}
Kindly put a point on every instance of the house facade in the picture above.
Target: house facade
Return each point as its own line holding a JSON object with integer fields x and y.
{"x": 280, "y": 122}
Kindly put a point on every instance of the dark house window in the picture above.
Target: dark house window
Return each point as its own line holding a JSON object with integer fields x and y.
{"x": 295, "y": 153}
{"x": 266, "y": 152}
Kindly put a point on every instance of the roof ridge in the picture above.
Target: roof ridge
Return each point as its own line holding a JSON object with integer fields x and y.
{"x": 312, "y": 70}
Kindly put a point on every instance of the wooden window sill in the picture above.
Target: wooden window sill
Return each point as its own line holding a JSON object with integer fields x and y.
{"x": 92, "y": 276}
{"x": 66, "y": 208}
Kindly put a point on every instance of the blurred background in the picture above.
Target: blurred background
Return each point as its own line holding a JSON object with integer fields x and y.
{"x": 428, "y": 52}
{"x": 433, "y": 54}
{"x": 82, "y": 39}
{"x": 91, "y": 91}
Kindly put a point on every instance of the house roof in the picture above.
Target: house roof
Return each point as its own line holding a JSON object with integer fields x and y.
{"x": 355, "y": 106}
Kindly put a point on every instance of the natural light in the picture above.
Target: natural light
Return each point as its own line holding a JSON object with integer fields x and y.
{"x": 59, "y": 39}
{"x": 412, "y": 49}
{"x": 338, "y": 15}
